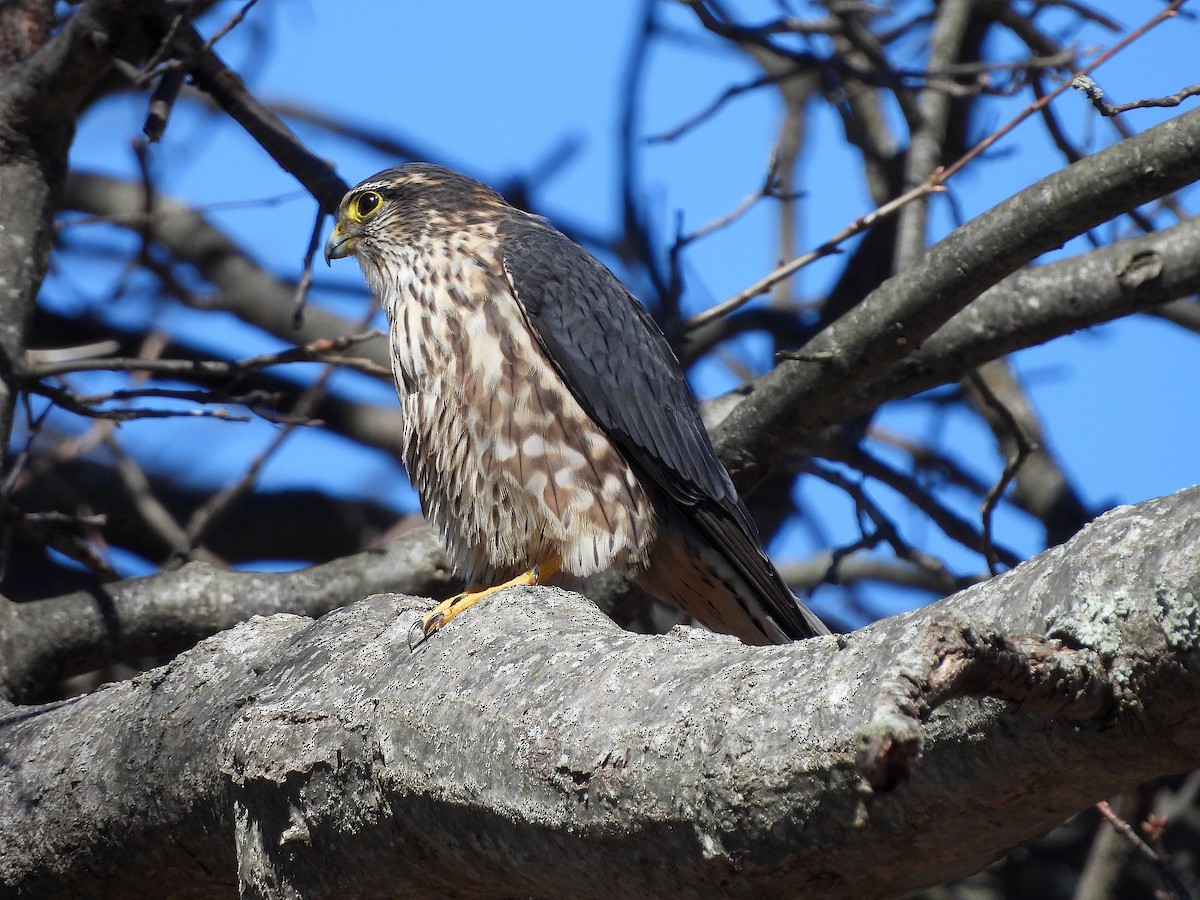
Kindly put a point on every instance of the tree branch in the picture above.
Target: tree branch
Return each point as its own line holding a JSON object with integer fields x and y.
{"x": 246, "y": 289}
{"x": 904, "y": 311}
{"x": 41, "y": 91}
{"x": 584, "y": 761}
{"x": 43, "y": 641}
{"x": 268, "y": 525}
{"x": 1039, "y": 304}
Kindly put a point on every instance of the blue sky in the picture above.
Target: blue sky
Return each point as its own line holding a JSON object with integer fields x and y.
{"x": 496, "y": 88}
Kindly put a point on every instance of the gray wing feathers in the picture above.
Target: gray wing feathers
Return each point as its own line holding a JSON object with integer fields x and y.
{"x": 615, "y": 360}
{"x": 613, "y": 357}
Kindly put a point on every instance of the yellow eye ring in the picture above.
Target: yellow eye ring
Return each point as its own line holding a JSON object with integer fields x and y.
{"x": 364, "y": 206}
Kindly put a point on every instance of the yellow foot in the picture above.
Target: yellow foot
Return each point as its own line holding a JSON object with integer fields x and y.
{"x": 441, "y": 614}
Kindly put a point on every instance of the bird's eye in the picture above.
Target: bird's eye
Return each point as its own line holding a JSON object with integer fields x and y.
{"x": 365, "y": 205}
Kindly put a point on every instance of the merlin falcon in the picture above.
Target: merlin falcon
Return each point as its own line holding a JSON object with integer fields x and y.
{"x": 548, "y": 427}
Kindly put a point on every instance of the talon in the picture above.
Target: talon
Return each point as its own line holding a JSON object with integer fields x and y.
{"x": 424, "y": 627}
{"x": 416, "y": 636}
{"x": 441, "y": 614}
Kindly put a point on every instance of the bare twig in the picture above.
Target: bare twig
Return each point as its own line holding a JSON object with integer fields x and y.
{"x": 933, "y": 183}
{"x": 217, "y": 505}
{"x": 84, "y": 406}
{"x": 883, "y": 530}
{"x": 234, "y": 21}
{"x": 1091, "y": 90}
{"x": 325, "y": 350}
{"x": 153, "y": 513}
{"x": 707, "y": 112}
{"x": 1164, "y": 14}
{"x": 306, "y": 272}
{"x": 162, "y": 101}
{"x": 1161, "y": 864}
{"x": 830, "y": 247}
{"x": 1023, "y": 448}
{"x": 951, "y": 524}
{"x": 59, "y": 532}
{"x": 227, "y": 89}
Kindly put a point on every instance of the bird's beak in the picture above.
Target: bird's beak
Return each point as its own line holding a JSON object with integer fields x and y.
{"x": 339, "y": 245}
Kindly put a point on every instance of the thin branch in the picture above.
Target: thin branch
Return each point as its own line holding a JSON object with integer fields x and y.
{"x": 306, "y": 270}
{"x": 227, "y": 89}
{"x": 83, "y": 406}
{"x": 1104, "y": 57}
{"x": 830, "y": 247}
{"x": 883, "y": 529}
{"x": 907, "y": 309}
{"x": 1023, "y": 447}
{"x": 950, "y": 523}
{"x": 59, "y": 531}
{"x": 232, "y": 23}
{"x": 1091, "y": 90}
{"x": 246, "y": 289}
{"x": 713, "y": 107}
{"x": 219, "y": 504}
{"x": 854, "y": 568}
{"x": 1037, "y": 304}
{"x": 162, "y": 101}
{"x": 1163, "y": 866}
{"x": 322, "y": 351}
{"x": 926, "y": 147}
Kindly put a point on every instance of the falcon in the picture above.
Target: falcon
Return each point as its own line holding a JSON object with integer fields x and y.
{"x": 548, "y": 427}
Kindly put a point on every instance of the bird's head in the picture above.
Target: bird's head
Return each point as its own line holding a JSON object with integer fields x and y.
{"x": 398, "y": 204}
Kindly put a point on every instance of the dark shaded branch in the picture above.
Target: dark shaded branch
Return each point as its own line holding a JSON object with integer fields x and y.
{"x": 866, "y": 567}
{"x": 225, "y": 87}
{"x": 41, "y": 90}
{"x": 1184, "y": 313}
{"x": 42, "y": 641}
{"x": 927, "y": 142}
{"x": 368, "y": 424}
{"x": 246, "y": 289}
{"x": 293, "y": 524}
{"x": 1041, "y": 485}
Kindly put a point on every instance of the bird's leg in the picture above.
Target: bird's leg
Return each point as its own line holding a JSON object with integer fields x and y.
{"x": 441, "y": 614}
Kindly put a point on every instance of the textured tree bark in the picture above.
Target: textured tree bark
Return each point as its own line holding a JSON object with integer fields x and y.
{"x": 535, "y": 749}
{"x": 33, "y": 164}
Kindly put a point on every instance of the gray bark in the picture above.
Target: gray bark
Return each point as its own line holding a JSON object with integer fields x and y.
{"x": 532, "y": 748}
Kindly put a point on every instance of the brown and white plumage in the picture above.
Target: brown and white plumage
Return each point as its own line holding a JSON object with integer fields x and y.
{"x": 547, "y": 422}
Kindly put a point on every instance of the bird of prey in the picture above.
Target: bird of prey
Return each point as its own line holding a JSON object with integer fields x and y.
{"x": 548, "y": 427}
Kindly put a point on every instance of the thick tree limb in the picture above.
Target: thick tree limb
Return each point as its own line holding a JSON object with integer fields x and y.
{"x": 535, "y": 749}
{"x": 905, "y": 310}
{"x": 41, "y": 88}
{"x": 1040, "y": 303}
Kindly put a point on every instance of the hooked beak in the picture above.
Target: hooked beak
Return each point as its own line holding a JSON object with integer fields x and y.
{"x": 339, "y": 245}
